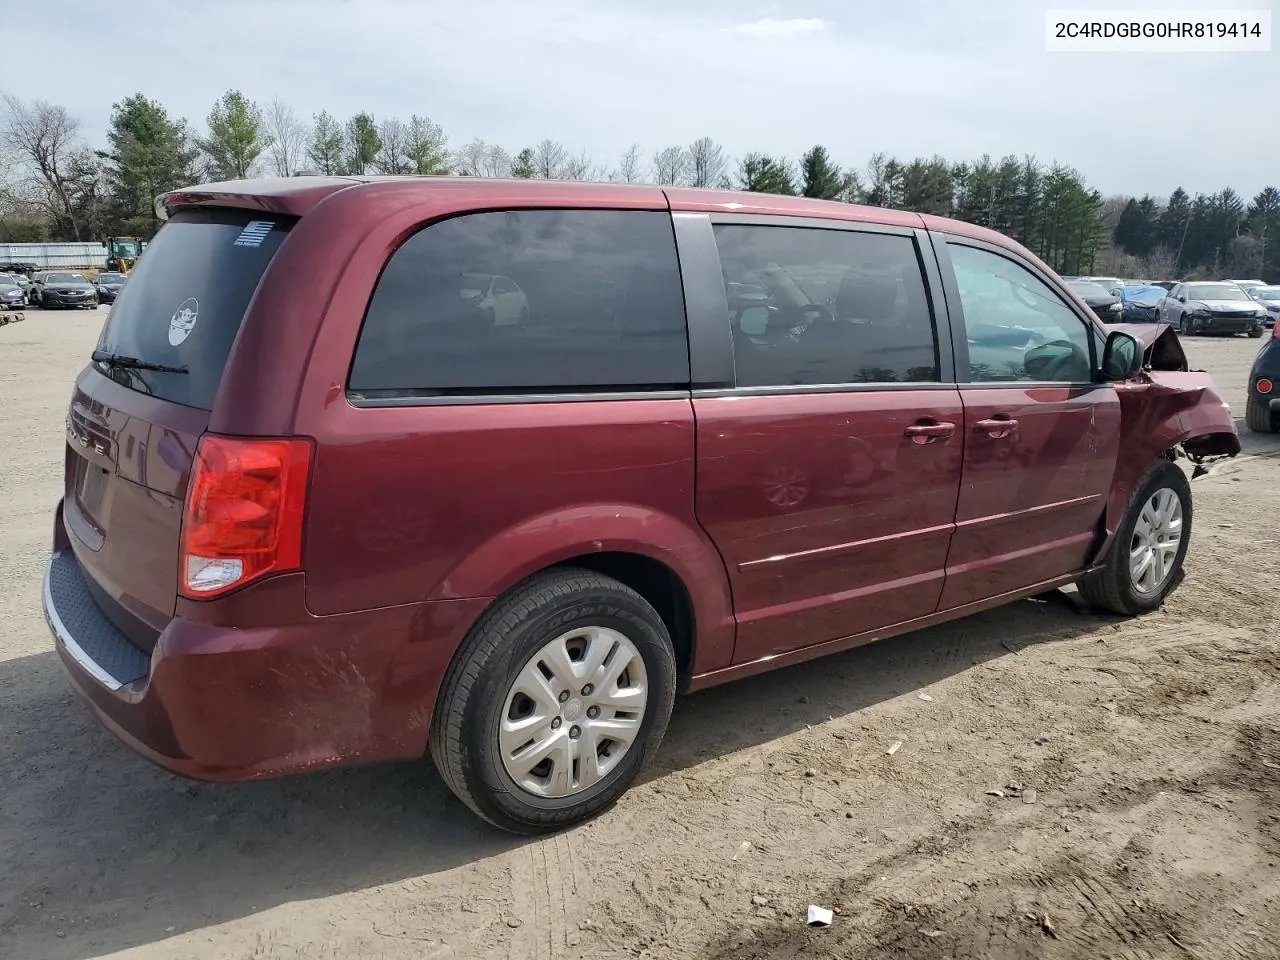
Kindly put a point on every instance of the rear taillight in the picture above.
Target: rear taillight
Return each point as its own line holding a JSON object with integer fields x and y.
{"x": 244, "y": 513}
{"x": 1263, "y": 385}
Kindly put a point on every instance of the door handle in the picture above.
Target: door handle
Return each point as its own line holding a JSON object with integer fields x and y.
{"x": 922, "y": 433}
{"x": 997, "y": 428}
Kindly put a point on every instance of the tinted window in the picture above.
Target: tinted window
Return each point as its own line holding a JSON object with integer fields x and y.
{"x": 185, "y": 300}
{"x": 1016, "y": 326}
{"x": 594, "y": 302}
{"x": 815, "y": 306}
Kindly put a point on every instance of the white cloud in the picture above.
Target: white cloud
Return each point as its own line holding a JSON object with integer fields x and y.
{"x": 780, "y": 29}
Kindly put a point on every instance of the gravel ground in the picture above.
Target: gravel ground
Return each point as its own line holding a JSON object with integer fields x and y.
{"x": 1139, "y": 763}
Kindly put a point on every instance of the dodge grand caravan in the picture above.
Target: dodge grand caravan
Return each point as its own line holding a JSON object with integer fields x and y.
{"x": 325, "y": 505}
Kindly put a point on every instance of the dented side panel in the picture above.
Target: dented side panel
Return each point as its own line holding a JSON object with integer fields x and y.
{"x": 1161, "y": 410}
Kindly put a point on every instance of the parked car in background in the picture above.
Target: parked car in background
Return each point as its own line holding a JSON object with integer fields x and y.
{"x": 500, "y": 297}
{"x": 1269, "y": 299}
{"x": 22, "y": 280}
{"x": 1101, "y": 301}
{"x": 11, "y": 295}
{"x": 1107, "y": 283}
{"x": 366, "y": 522}
{"x": 1212, "y": 307}
{"x": 1262, "y": 402}
{"x": 1141, "y": 304}
{"x": 65, "y": 290}
{"x": 1164, "y": 284}
{"x": 1246, "y": 284}
{"x": 108, "y": 286}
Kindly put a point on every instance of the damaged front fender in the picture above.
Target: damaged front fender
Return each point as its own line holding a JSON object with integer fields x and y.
{"x": 1166, "y": 411}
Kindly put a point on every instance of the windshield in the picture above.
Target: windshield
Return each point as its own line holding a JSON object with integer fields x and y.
{"x": 1267, "y": 293}
{"x": 110, "y": 277}
{"x": 124, "y": 248}
{"x": 1089, "y": 289}
{"x": 1204, "y": 291}
{"x": 5, "y": 278}
{"x": 65, "y": 278}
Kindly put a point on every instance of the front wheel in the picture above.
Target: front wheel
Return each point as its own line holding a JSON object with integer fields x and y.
{"x": 1144, "y": 562}
{"x": 1256, "y": 332}
{"x": 555, "y": 703}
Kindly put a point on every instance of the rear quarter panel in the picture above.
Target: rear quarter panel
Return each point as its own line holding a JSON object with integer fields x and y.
{"x": 461, "y": 501}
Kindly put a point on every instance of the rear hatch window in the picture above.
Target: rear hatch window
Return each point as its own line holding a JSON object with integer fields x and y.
{"x": 185, "y": 300}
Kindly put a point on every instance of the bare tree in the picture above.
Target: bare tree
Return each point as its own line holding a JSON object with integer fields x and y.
{"x": 707, "y": 164}
{"x": 57, "y": 170}
{"x": 1160, "y": 264}
{"x": 581, "y": 167}
{"x": 391, "y": 158}
{"x": 1110, "y": 210}
{"x": 631, "y": 165}
{"x": 670, "y": 166}
{"x": 289, "y": 135}
{"x": 481, "y": 159}
{"x": 550, "y": 160}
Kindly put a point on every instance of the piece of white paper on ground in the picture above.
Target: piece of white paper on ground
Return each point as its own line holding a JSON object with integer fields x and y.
{"x": 819, "y": 916}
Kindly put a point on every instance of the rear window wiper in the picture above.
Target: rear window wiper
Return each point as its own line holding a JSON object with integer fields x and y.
{"x": 133, "y": 363}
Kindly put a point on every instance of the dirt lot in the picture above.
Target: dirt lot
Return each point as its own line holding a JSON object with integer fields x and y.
{"x": 1143, "y": 821}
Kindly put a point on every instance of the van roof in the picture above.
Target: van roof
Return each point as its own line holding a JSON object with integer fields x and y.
{"x": 296, "y": 196}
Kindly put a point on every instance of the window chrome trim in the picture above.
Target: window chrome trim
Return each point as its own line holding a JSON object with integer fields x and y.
{"x": 495, "y": 399}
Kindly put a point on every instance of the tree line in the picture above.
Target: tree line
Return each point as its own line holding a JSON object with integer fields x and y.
{"x": 57, "y": 185}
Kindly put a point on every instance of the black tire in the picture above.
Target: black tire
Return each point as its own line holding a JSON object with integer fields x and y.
{"x": 464, "y": 734}
{"x": 1110, "y": 587}
{"x": 1256, "y": 332}
{"x": 1258, "y": 416}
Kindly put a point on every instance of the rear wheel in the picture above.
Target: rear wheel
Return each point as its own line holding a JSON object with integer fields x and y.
{"x": 1144, "y": 562}
{"x": 1258, "y": 416}
{"x": 555, "y": 703}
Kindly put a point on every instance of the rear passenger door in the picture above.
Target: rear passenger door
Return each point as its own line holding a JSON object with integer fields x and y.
{"x": 829, "y": 466}
{"x": 1040, "y": 435}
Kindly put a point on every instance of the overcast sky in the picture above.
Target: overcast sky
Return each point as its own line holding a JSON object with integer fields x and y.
{"x": 908, "y": 77}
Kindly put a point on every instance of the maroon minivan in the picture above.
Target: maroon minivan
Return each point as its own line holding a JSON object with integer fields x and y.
{"x": 367, "y": 468}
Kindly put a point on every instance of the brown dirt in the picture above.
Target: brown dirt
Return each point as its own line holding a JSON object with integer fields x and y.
{"x": 1155, "y": 830}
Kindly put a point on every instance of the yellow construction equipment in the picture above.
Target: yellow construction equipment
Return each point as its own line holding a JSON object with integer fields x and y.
{"x": 122, "y": 253}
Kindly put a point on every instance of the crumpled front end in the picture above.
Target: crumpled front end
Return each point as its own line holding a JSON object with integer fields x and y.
{"x": 1167, "y": 411}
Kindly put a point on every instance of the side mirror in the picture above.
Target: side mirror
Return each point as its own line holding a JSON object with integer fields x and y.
{"x": 1181, "y": 298}
{"x": 1122, "y": 357}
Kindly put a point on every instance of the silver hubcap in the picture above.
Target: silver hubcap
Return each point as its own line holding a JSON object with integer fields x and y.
{"x": 573, "y": 712}
{"x": 1156, "y": 538}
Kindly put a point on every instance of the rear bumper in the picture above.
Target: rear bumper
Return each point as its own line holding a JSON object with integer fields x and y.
{"x": 221, "y": 702}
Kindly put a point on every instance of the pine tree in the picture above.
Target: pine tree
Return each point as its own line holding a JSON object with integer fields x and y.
{"x": 819, "y": 177}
